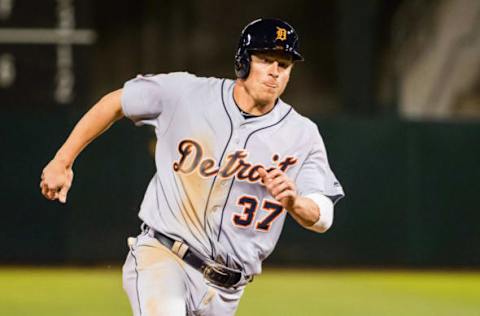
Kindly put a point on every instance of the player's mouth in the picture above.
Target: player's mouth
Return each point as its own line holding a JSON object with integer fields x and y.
{"x": 270, "y": 84}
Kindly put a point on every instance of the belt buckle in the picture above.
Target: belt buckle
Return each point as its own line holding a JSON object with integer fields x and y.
{"x": 211, "y": 270}
{"x": 218, "y": 275}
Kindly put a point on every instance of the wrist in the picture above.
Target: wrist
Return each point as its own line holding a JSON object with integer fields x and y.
{"x": 63, "y": 159}
{"x": 295, "y": 205}
{"x": 291, "y": 204}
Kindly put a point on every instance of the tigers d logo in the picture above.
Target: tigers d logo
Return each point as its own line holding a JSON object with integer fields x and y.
{"x": 281, "y": 34}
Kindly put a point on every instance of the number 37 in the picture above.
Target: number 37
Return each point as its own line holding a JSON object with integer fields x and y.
{"x": 250, "y": 205}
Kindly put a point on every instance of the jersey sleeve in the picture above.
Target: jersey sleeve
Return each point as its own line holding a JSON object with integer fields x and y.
{"x": 145, "y": 98}
{"x": 315, "y": 175}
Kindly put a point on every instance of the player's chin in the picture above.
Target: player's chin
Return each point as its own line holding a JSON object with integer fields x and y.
{"x": 271, "y": 90}
{"x": 268, "y": 97}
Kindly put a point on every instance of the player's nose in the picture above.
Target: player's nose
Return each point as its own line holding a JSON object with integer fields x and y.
{"x": 274, "y": 71}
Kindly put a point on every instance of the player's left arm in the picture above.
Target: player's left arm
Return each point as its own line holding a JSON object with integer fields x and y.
{"x": 314, "y": 211}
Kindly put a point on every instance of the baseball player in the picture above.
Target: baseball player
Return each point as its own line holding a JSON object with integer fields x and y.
{"x": 232, "y": 160}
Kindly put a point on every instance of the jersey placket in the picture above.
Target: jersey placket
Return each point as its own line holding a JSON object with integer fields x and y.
{"x": 222, "y": 187}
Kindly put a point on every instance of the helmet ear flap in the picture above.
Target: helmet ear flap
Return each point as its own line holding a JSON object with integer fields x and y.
{"x": 242, "y": 65}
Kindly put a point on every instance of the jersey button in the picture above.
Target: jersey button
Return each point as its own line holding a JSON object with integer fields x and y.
{"x": 237, "y": 141}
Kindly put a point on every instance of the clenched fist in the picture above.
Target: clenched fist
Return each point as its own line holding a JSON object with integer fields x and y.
{"x": 279, "y": 186}
{"x": 56, "y": 180}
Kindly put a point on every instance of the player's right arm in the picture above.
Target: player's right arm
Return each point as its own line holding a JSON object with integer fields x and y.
{"x": 57, "y": 175}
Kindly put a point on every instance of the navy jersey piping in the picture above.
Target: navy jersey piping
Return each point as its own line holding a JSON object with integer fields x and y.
{"x": 137, "y": 281}
{"x": 219, "y": 164}
{"x": 252, "y": 115}
{"x": 233, "y": 179}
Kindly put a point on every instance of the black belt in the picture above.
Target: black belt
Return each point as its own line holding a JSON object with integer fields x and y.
{"x": 216, "y": 273}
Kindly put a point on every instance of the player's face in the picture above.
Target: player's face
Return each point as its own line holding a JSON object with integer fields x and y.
{"x": 268, "y": 77}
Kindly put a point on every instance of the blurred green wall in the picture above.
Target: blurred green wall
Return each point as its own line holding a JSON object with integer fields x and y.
{"x": 412, "y": 194}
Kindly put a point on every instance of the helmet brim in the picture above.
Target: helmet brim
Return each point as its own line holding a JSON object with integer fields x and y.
{"x": 294, "y": 54}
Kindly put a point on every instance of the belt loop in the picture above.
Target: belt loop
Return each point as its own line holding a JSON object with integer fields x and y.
{"x": 179, "y": 248}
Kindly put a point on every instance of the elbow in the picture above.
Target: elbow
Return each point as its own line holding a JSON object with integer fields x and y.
{"x": 320, "y": 226}
{"x": 323, "y": 229}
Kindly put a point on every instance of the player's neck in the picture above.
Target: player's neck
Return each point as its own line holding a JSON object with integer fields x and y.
{"x": 246, "y": 102}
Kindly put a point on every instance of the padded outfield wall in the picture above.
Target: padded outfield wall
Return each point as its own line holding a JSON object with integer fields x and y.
{"x": 412, "y": 194}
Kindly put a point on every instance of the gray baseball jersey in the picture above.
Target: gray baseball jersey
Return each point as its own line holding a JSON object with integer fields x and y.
{"x": 207, "y": 190}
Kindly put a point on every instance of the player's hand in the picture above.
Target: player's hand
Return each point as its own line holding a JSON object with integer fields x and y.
{"x": 279, "y": 186}
{"x": 56, "y": 180}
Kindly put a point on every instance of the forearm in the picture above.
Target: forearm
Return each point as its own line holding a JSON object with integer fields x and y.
{"x": 97, "y": 120}
{"x": 313, "y": 206}
{"x": 305, "y": 211}
{"x": 314, "y": 211}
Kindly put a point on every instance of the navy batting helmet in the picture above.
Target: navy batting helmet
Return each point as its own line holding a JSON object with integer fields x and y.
{"x": 265, "y": 35}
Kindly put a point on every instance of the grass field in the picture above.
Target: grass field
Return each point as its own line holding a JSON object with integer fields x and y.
{"x": 86, "y": 292}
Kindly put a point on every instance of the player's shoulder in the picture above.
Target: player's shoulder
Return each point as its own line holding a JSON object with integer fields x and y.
{"x": 174, "y": 85}
{"x": 172, "y": 76}
{"x": 301, "y": 121}
{"x": 199, "y": 84}
{"x": 178, "y": 77}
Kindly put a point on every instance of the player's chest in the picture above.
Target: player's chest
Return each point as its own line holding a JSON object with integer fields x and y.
{"x": 238, "y": 153}
{"x": 212, "y": 140}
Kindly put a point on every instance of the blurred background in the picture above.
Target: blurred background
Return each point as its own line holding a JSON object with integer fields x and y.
{"x": 394, "y": 87}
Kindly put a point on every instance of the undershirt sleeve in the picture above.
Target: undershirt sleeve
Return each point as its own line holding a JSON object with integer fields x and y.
{"x": 325, "y": 205}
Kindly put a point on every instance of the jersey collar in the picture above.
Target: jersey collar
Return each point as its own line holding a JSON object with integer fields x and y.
{"x": 276, "y": 113}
